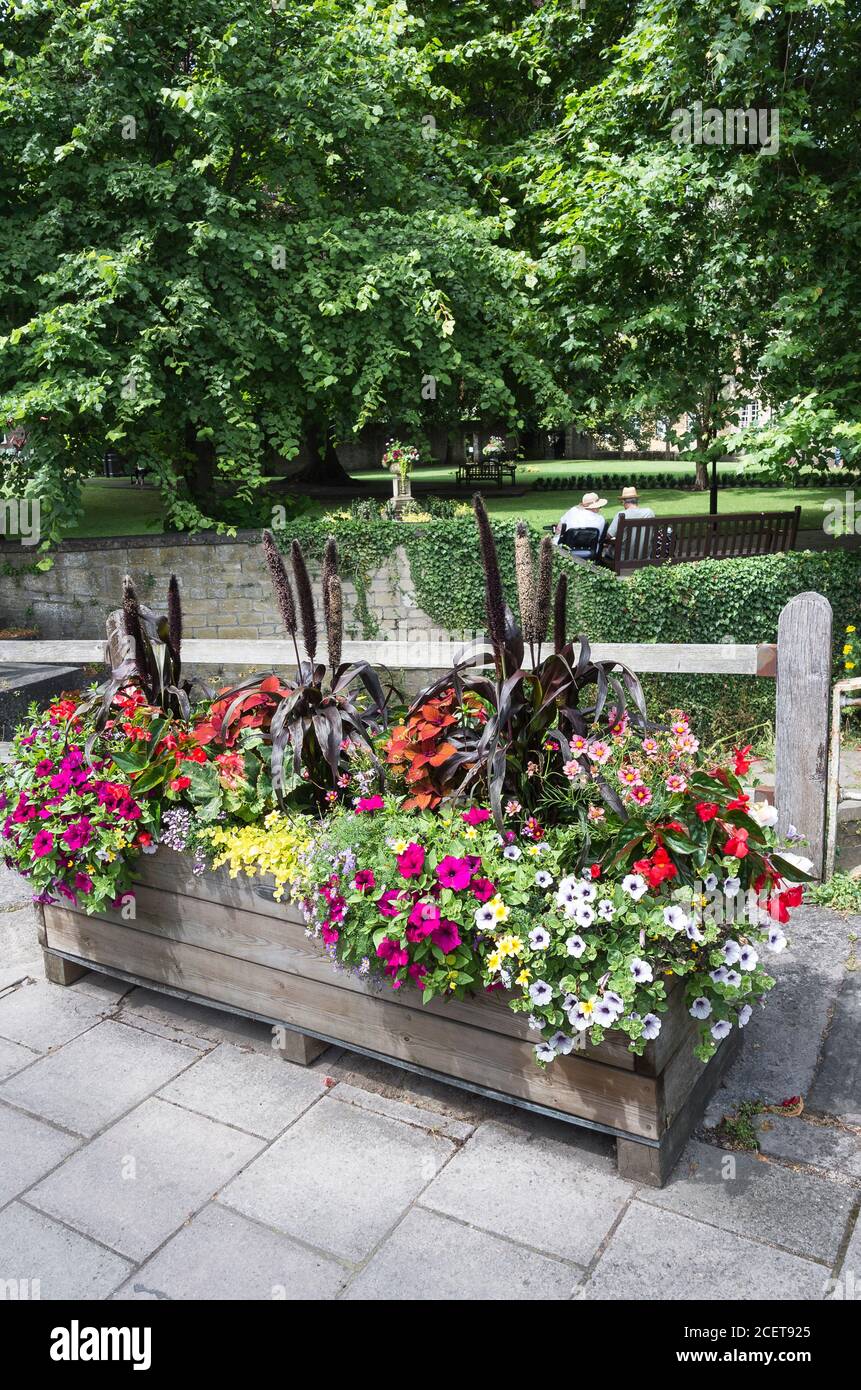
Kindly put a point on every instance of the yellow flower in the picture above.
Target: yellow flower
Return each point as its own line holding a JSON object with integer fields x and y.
{"x": 499, "y": 910}
{"x": 494, "y": 960}
{"x": 470, "y": 832}
{"x": 109, "y": 856}
{"x": 847, "y": 649}
{"x": 534, "y": 851}
{"x": 510, "y": 945}
{"x": 588, "y": 1007}
{"x": 851, "y": 627}
{"x": 398, "y": 846}
{"x": 850, "y": 665}
{"x": 523, "y": 977}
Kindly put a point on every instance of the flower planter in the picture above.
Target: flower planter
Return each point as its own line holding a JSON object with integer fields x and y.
{"x": 226, "y": 942}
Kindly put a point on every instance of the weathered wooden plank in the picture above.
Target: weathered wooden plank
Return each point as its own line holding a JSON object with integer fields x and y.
{"x": 420, "y": 654}
{"x": 802, "y": 720}
{"x": 60, "y": 971}
{"x": 576, "y": 1086}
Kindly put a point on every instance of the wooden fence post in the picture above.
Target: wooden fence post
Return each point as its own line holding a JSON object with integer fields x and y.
{"x": 801, "y": 734}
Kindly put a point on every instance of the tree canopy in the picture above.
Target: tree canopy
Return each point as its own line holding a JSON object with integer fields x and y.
{"x": 233, "y": 231}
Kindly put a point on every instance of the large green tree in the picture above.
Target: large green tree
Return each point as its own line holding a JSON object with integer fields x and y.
{"x": 232, "y": 231}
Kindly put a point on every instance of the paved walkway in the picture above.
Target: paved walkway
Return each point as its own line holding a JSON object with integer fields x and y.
{"x": 157, "y": 1150}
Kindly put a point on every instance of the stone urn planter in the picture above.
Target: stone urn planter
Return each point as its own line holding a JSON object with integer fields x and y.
{"x": 402, "y": 492}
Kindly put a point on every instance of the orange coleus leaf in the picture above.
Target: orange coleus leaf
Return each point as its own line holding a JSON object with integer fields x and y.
{"x": 444, "y": 751}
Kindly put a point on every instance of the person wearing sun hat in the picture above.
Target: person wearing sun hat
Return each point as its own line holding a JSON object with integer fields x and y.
{"x": 585, "y": 515}
{"x": 630, "y": 507}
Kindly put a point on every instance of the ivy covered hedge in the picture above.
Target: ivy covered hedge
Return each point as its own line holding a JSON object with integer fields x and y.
{"x": 711, "y": 601}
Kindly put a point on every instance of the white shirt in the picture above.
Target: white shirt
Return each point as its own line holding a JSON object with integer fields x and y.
{"x": 579, "y": 516}
{"x": 632, "y": 512}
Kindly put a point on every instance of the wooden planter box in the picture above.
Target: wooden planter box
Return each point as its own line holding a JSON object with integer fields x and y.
{"x": 226, "y": 942}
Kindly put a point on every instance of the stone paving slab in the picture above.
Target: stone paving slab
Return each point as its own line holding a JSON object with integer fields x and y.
{"x": 197, "y": 1025}
{"x": 29, "y": 1149}
{"x": 14, "y": 891}
{"x": 783, "y": 1039}
{"x": 340, "y": 1178}
{"x": 744, "y": 1194}
{"x": 66, "y": 1264}
{"x": 851, "y": 1264}
{"x": 125, "y": 1064}
{"x": 222, "y": 1255}
{"x": 837, "y": 1089}
{"x": 533, "y": 1190}
{"x": 259, "y": 1094}
{"x": 798, "y": 1140}
{"x": 136, "y": 1183}
{"x": 43, "y": 1016}
{"x": 430, "y": 1256}
{"x": 658, "y": 1254}
{"x": 13, "y": 1057}
{"x": 430, "y": 1120}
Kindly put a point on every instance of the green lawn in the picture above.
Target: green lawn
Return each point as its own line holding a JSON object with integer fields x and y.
{"x": 115, "y": 509}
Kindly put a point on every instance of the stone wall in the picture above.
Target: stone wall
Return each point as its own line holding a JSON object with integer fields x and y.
{"x": 224, "y": 584}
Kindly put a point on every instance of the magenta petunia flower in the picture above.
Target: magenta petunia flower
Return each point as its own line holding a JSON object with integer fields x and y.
{"x": 454, "y": 873}
{"x": 60, "y": 782}
{"x": 411, "y": 861}
{"x": 128, "y": 809}
{"x": 329, "y": 933}
{"x": 44, "y": 767}
{"x": 475, "y": 815}
{"x": 364, "y": 879}
{"x": 83, "y": 883}
{"x": 388, "y": 903}
{"x": 423, "y": 919}
{"x": 395, "y": 955}
{"x": 43, "y": 844}
{"x": 369, "y": 803}
{"x": 482, "y": 889}
{"x": 446, "y": 936}
{"x": 77, "y": 835}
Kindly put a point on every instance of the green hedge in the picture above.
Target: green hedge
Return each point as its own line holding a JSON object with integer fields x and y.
{"x": 711, "y": 601}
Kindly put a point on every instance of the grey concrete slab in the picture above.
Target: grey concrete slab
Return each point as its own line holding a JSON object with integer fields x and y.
{"x": 658, "y": 1254}
{"x": 798, "y": 1140}
{"x": 14, "y": 890}
{"x": 764, "y": 1201}
{"x": 97, "y": 1076}
{"x": 19, "y": 942}
{"x": 340, "y": 1178}
{"x": 65, "y": 1264}
{"x": 14, "y": 973}
{"x": 134, "y": 1185}
{"x": 194, "y": 1024}
{"x": 244, "y": 1088}
{"x": 104, "y": 988}
{"x": 837, "y": 1088}
{"x": 430, "y": 1120}
{"x": 222, "y": 1255}
{"x": 534, "y": 1190}
{"x": 783, "y": 1039}
{"x": 29, "y": 1149}
{"x": 429, "y": 1256}
{"x": 849, "y": 1273}
{"x": 44, "y": 1016}
{"x": 13, "y": 1057}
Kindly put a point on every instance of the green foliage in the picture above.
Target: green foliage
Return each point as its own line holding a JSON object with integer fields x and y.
{"x": 842, "y": 892}
{"x": 739, "y": 1129}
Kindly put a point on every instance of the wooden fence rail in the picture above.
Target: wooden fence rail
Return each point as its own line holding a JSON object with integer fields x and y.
{"x": 801, "y": 661}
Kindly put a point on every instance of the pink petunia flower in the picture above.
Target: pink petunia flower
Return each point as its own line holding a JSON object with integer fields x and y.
{"x": 387, "y": 904}
{"x": 364, "y": 879}
{"x": 369, "y": 803}
{"x": 412, "y": 861}
{"x": 454, "y": 873}
{"x": 43, "y": 844}
{"x": 78, "y": 834}
{"x": 475, "y": 815}
{"x": 446, "y": 936}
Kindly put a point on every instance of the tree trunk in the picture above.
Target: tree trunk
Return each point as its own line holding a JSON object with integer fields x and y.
{"x": 701, "y": 481}
{"x": 201, "y": 472}
{"x": 323, "y": 468}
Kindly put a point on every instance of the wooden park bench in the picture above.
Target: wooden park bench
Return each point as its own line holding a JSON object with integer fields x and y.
{"x": 673, "y": 540}
{"x": 486, "y": 471}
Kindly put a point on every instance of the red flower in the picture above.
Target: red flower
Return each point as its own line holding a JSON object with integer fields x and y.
{"x": 706, "y": 810}
{"x": 179, "y": 784}
{"x": 742, "y": 761}
{"x": 595, "y": 870}
{"x": 740, "y": 803}
{"x": 144, "y": 839}
{"x": 411, "y": 861}
{"x": 364, "y": 879}
{"x": 736, "y": 846}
